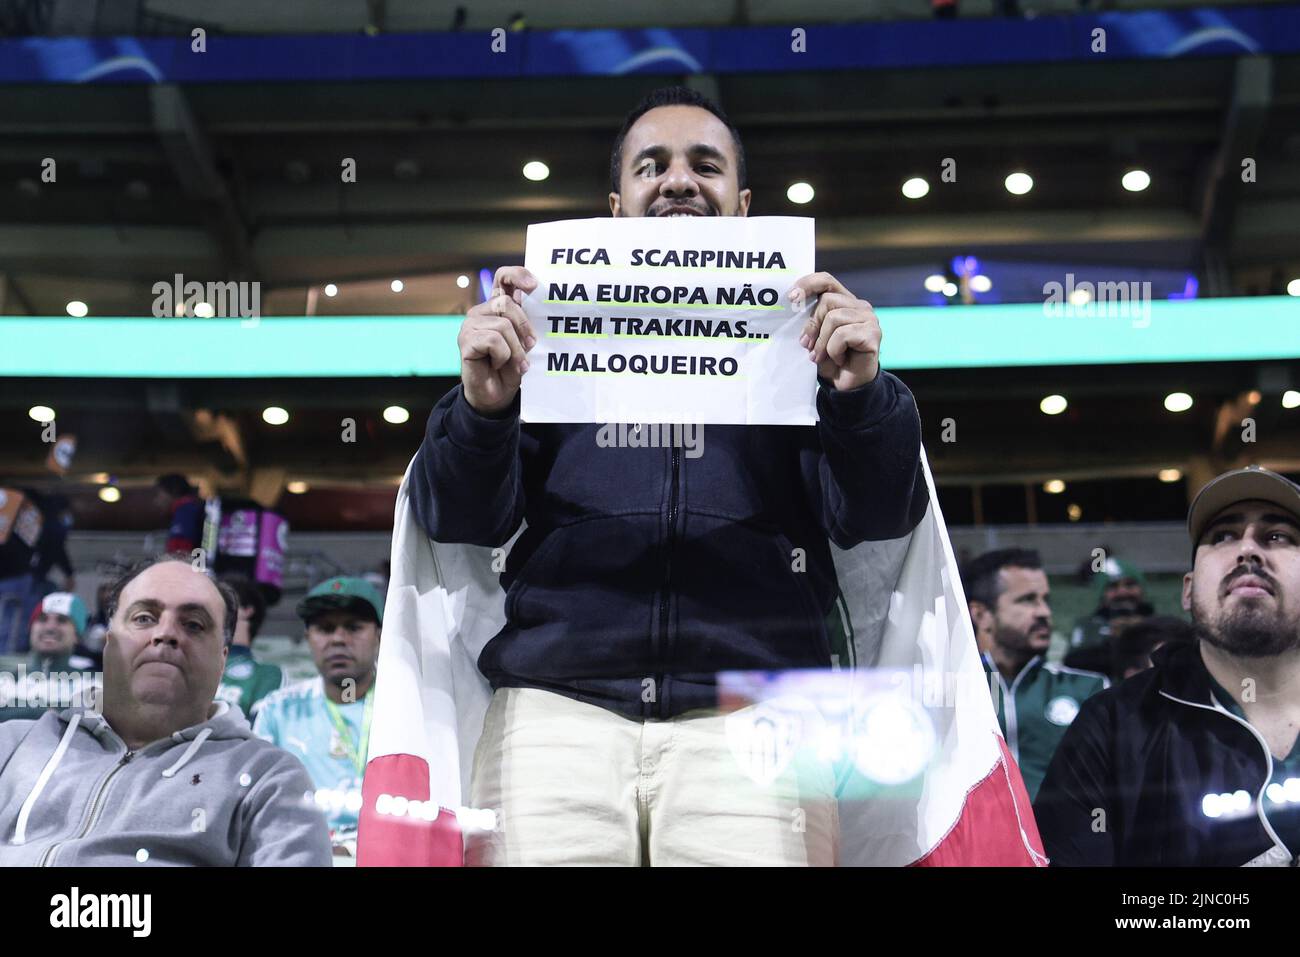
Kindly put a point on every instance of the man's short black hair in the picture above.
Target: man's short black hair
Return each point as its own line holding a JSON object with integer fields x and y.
{"x": 980, "y": 576}
{"x": 671, "y": 96}
{"x": 227, "y": 593}
{"x": 1133, "y": 647}
{"x": 250, "y": 596}
{"x": 175, "y": 485}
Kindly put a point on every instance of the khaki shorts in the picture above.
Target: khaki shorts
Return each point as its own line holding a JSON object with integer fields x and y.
{"x": 574, "y": 784}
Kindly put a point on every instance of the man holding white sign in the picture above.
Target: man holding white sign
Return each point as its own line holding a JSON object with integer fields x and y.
{"x": 641, "y": 573}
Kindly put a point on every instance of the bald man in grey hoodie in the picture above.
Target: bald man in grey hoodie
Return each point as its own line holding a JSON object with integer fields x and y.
{"x": 164, "y": 775}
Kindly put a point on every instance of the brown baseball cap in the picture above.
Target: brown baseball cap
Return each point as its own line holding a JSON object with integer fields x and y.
{"x": 1253, "y": 483}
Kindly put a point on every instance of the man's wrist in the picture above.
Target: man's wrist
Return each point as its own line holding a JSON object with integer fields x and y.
{"x": 858, "y": 407}
{"x": 507, "y": 411}
{"x": 471, "y": 429}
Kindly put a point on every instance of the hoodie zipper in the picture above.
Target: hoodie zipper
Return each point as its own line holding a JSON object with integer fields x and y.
{"x": 1268, "y": 770}
{"x": 95, "y": 808}
{"x": 663, "y": 598}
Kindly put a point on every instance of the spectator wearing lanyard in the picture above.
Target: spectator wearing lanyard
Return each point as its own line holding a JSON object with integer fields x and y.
{"x": 325, "y": 721}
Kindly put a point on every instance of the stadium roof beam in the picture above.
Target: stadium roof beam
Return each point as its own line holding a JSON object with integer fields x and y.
{"x": 190, "y": 153}
{"x": 1252, "y": 95}
{"x": 9, "y": 289}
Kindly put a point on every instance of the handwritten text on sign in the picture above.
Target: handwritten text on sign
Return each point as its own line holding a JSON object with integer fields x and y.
{"x": 669, "y": 320}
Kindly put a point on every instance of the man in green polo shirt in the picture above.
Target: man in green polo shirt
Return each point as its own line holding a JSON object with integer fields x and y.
{"x": 1007, "y": 595}
{"x": 325, "y": 721}
{"x": 246, "y": 681}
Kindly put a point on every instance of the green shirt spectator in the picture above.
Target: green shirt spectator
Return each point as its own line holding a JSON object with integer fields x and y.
{"x": 246, "y": 681}
{"x": 1036, "y": 708}
{"x": 1008, "y": 597}
{"x": 1120, "y": 585}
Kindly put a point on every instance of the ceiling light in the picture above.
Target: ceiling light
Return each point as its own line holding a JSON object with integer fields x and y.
{"x": 1053, "y": 405}
{"x": 935, "y": 283}
{"x": 331, "y": 290}
{"x": 41, "y": 413}
{"x": 800, "y": 193}
{"x": 915, "y": 188}
{"x": 396, "y": 414}
{"x": 110, "y": 493}
{"x": 397, "y": 285}
{"x": 1290, "y": 399}
{"x": 536, "y": 170}
{"x": 274, "y": 415}
{"x": 1019, "y": 183}
{"x": 1074, "y": 512}
{"x": 204, "y": 310}
{"x": 77, "y": 309}
{"x": 462, "y": 281}
{"x": 1169, "y": 475}
{"x": 1054, "y": 486}
{"x": 1178, "y": 402}
{"x": 980, "y": 283}
{"x": 1080, "y": 297}
{"x": 949, "y": 289}
{"x": 1135, "y": 180}
{"x": 1293, "y": 287}
{"x": 297, "y": 488}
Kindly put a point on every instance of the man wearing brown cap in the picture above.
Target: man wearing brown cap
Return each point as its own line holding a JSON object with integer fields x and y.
{"x": 1196, "y": 760}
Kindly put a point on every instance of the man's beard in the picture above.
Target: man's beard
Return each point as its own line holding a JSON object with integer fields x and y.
{"x": 1247, "y": 632}
{"x": 1017, "y": 642}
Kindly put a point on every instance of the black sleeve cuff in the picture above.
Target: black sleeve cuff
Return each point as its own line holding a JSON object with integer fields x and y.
{"x": 473, "y": 431}
{"x": 859, "y": 408}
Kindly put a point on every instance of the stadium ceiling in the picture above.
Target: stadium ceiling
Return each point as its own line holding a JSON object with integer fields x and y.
{"x": 243, "y": 180}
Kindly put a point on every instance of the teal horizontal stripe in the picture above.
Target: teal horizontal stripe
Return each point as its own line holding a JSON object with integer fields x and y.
{"x": 925, "y": 337}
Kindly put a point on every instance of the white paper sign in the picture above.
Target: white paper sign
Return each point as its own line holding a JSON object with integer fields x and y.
{"x": 669, "y": 320}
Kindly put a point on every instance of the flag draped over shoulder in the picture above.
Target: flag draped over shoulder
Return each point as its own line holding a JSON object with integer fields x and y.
{"x": 908, "y": 611}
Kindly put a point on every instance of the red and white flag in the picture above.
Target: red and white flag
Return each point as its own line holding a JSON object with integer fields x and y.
{"x": 968, "y": 806}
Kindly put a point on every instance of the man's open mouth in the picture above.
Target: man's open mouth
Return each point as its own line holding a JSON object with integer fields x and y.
{"x": 680, "y": 211}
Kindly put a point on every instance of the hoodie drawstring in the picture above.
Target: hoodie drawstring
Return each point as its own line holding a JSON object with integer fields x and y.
{"x": 20, "y": 832}
{"x": 189, "y": 752}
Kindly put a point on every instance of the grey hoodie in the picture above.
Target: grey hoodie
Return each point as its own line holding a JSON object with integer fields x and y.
{"x": 72, "y": 794}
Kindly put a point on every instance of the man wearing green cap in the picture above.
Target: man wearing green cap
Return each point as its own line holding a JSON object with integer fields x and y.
{"x": 325, "y": 721}
{"x": 1121, "y": 593}
{"x": 54, "y": 676}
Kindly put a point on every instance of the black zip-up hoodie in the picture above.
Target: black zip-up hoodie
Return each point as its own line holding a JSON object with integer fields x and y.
{"x": 645, "y": 571}
{"x": 1127, "y": 784}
